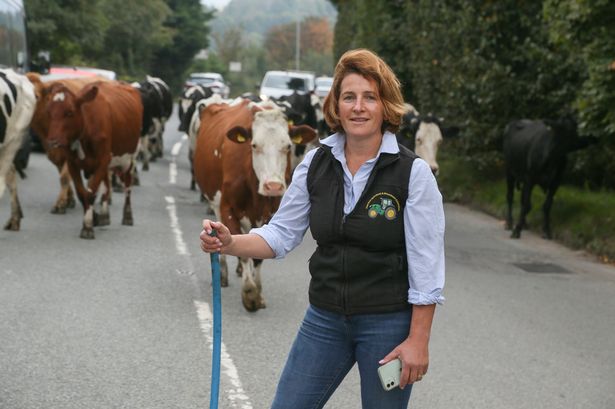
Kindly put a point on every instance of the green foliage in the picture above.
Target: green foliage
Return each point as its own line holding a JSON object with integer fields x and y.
{"x": 482, "y": 63}
{"x": 134, "y": 38}
{"x": 70, "y": 29}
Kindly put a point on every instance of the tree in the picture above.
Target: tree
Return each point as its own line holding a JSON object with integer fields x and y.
{"x": 189, "y": 24}
{"x": 135, "y": 32}
{"x": 69, "y": 29}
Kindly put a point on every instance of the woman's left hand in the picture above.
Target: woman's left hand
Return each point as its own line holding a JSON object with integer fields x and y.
{"x": 414, "y": 356}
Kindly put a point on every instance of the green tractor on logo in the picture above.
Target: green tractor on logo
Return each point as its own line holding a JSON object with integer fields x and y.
{"x": 384, "y": 208}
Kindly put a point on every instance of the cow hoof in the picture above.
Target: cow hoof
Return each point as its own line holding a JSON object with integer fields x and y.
{"x": 87, "y": 233}
{"x": 12, "y": 225}
{"x": 104, "y": 220}
{"x": 252, "y": 301}
{"x": 71, "y": 203}
{"x": 127, "y": 220}
{"x": 515, "y": 235}
{"x": 58, "y": 210}
{"x": 224, "y": 281}
{"x": 239, "y": 270}
{"x": 145, "y": 167}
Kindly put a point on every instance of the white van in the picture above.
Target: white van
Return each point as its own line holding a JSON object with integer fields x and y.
{"x": 278, "y": 83}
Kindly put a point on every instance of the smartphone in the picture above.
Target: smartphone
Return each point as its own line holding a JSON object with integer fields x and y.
{"x": 389, "y": 374}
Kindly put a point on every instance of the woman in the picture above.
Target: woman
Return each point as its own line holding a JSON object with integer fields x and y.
{"x": 376, "y": 213}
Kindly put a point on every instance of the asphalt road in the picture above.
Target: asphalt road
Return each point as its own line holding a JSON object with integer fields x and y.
{"x": 124, "y": 321}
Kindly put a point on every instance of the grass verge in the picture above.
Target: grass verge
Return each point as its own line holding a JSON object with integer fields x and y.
{"x": 580, "y": 219}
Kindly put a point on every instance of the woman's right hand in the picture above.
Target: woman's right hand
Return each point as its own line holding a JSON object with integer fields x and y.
{"x": 217, "y": 243}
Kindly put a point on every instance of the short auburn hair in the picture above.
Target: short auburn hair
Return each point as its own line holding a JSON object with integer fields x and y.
{"x": 367, "y": 64}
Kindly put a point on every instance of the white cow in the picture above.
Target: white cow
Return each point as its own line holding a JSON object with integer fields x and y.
{"x": 17, "y": 102}
{"x": 424, "y": 134}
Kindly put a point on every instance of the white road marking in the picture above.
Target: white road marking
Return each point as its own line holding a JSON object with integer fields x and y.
{"x": 173, "y": 165}
{"x": 172, "y": 171}
{"x": 182, "y": 249}
{"x": 236, "y": 394}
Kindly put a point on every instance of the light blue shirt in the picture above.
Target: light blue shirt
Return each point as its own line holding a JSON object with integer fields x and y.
{"x": 423, "y": 217}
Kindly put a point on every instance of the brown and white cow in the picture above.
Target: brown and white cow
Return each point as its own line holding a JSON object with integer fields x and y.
{"x": 40, "y": 126}
{"x": 95, "y": 130}
{"x": 17, "y": 102}
{"x": 242, "y": 167}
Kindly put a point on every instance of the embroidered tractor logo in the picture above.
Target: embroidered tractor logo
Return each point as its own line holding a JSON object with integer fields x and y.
{"x": 384, "y": 208}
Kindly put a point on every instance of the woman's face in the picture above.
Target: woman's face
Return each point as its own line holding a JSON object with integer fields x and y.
{"x": 361, "y": 111}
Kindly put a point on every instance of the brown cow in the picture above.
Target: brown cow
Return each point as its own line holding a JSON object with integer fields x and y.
{"x": 242, "y": 181}
{"x": 40, "y": 125}
{"x": 95, "y": 130}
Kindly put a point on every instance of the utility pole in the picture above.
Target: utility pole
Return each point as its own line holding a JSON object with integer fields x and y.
{"x": 297, "y": 40}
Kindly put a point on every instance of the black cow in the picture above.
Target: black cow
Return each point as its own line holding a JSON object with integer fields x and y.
{"x": 152, "y": 108}
{"x": 300, "y": 109}
{"x": 187, "y": 104}
{"x": 535, "y": 154}
{"x": 161, "y": 90}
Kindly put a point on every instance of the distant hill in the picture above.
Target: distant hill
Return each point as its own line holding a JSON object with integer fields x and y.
{"x": 256, "y": 17}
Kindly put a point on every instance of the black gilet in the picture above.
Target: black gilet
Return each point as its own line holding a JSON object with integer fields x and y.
{"x": 360, "y": 265}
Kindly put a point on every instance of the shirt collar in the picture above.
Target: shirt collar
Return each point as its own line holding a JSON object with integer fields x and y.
{"x": 337, "y": 141}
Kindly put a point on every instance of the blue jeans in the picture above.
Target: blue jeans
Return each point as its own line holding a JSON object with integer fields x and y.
{"x": 326, "y": 348}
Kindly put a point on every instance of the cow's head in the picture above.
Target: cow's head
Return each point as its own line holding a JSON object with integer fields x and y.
{"x": 65, "y": 118}
{"x": 427, "y": 133}
{"x": 271, "y": 138}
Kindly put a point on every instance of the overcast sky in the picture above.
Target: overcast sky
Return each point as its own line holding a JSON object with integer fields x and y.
{"x": 219, "y": 4}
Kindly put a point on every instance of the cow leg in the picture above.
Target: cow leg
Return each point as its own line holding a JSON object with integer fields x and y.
{"x": 546, "y": 207}
{"x": 546, "y": 211}
{"x": 223, "y": 271}
{"x": 87, "y": 199}
{"x": 153, "y": 146}
{"x": 250, "y": 291}
{"x": 144, "y": 151}
{"x": 510, "y": 193}
{"x": 191, "y": 159}
{"x": 66, "y": 198}
{"x": 127, "y": 214}
{"x": 13, "y": 223}
{"x": 526, "y": 206}
{"x": 104, "y": 218}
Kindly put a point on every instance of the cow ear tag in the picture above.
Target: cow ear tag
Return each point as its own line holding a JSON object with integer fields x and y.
{"x": 291, "y": 122}
{"x": 240, "y": 138}
{"x": 297, "y": 139}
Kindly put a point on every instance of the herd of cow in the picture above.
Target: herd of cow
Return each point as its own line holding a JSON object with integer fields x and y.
{"x": 242, "y": 151}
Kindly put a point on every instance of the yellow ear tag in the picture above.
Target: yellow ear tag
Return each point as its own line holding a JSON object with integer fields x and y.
{"x": 240, "y": 138}
{"x": 291, "y": 122}
{"x": 297, "y": 139}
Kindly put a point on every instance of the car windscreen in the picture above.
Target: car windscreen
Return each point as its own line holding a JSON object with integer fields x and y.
{"x": 285, "y": 82}
{"x": 202, "y": 80}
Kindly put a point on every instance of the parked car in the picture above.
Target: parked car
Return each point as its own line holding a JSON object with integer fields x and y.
{"x": 323, "y": 86}
{"x": 212, "y": 80}
{"x": 279, "y": 83}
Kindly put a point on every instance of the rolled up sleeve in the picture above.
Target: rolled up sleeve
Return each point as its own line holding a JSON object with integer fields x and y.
{"x": 424, "y": 230}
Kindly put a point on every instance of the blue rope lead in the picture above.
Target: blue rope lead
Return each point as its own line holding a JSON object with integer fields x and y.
{"x": 215, "y": 368}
